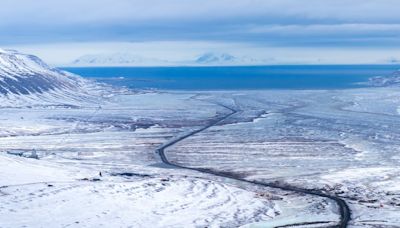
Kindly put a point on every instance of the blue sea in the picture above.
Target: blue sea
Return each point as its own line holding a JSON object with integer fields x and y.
{"x": 237, "y": 78}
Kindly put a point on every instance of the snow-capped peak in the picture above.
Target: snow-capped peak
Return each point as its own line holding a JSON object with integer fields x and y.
{"x": 211, "y": 58}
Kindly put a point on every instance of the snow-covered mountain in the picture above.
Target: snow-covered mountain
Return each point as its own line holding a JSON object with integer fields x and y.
{"x": 392, "y": 60}
{"x": 117, "y": 59}
{"x": 128, "y": 59}
{"x": 226, "y": 59}
{"x": 26, "y": 74}
{"x": 212, "y": 58}
{"x": 391, "y": 80}
{"x": 27, "y": 79}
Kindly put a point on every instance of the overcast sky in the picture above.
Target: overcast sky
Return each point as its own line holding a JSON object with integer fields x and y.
{"x": 289, "y": 31}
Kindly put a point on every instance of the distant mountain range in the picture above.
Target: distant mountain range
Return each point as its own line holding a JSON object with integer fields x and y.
{"x": 126, "y": 59}
{"x": 228, "y": 59}
{"x": 116, "y": 59}
{"x": 392, "y": 60}
{"x": 212, "y": 58}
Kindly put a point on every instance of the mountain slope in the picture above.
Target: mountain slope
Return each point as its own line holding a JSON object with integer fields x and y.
{"x": 27, "y": 74}
{"x": 27, "y": 80}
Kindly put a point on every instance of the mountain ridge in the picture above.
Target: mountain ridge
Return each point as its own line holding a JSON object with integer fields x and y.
{"x": 115, "y": 59}
{"x": 127, "y": 59}
{"x": 25, "y": 79}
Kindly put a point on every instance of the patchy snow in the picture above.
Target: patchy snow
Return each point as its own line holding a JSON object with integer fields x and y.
{"x": 343, "y": 142}
{"x": 358, "y": 173}
{"x": 77, "y": 143}
{"x": 312, "y": 139}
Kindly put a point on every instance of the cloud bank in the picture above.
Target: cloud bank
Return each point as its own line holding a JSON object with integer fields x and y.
{"x": 312, "y": 24}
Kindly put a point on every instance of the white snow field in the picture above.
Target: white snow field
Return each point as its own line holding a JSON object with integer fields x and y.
{"x": 43, "y": 195}
{"x": 97, "y": 163}
{"x": 64, "y": 188}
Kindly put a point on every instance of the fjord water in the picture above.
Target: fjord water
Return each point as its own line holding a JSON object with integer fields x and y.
{"x": 237, "y": 78}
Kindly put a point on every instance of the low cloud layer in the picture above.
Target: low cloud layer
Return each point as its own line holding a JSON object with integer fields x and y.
{"x": 263, "y": 23}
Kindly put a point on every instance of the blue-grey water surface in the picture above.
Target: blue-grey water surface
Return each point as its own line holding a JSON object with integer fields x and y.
{"x": 237, "y": 78}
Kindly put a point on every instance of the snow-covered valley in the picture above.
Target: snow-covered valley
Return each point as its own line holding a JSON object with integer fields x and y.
{"x": 97, "y": 163}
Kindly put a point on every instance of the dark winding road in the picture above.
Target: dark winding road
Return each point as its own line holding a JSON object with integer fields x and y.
{"x": 344, "y": 211}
